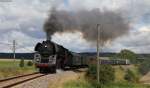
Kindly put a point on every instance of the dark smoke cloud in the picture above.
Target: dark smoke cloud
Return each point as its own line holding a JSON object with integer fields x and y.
{"x": 112, "y": 24}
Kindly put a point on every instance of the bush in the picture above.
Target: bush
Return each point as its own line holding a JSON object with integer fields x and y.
{"x": 21, "y": 63}
{"x": 29, "y": 63}
{"x": 144, "y": 67}
{"x": 92, "y": 71}
{"x": 131, "y": 76}
{"x": 107, "y": 74}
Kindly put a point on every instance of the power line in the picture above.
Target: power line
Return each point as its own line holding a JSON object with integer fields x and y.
{"x": 3, "y": 43}
{"x": 14, "y": 46}
{"x": 21, "y": 46}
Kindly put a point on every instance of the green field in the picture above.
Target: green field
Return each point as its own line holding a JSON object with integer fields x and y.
{"x": 9, "y": 68}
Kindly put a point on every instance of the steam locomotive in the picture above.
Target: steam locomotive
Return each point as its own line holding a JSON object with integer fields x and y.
{"x": 50, "y": 56}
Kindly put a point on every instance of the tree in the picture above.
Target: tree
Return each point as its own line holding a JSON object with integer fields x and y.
{"x": 21, "y": 62}
{"x": 127, "y": 54}
{"x": 29, "y": 63}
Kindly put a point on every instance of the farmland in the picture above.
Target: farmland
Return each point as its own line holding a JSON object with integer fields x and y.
{"x": 9, "y": 68}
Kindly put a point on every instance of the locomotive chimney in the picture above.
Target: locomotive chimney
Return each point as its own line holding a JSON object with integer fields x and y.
{"x": 48, "y": 37}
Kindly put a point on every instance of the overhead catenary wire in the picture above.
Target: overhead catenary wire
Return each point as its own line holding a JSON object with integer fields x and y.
{"x": 4, "y": 43}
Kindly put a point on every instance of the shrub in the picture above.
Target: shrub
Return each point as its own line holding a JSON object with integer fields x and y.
{"x": 144, "y": 67}
{"x": 21, "y": 64}
{"x": 29, "y": 63}
{"x": 92, "y": 71}
{"x": 131, "y": 76}
{"x": 106, "y": 75}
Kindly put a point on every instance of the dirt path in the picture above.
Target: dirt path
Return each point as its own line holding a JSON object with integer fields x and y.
{"x": 52, "y": 80}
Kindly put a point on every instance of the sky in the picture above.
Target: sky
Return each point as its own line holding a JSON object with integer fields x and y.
{"x": 22, "y": 20}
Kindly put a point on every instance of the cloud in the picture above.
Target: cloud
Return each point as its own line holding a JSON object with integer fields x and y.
{"x": 137, "y": 41}
{"x": 73, "y": 41}
{"x": 23, "y": 20}
{"x": 24, "y": 15}
{"x": 23, "y": 42}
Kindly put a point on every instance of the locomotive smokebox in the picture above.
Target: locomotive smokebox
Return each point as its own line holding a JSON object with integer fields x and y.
{"x": 48, "y": 37}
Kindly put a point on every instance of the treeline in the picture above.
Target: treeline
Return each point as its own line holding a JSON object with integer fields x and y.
{"x": 28, "y": 56}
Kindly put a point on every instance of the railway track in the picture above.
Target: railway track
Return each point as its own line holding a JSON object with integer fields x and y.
{"x": 10, "y": 82}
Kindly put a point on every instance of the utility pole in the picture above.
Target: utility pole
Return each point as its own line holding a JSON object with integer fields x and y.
{"x": 14, "y": 49}
{"x": 98, "y": 63}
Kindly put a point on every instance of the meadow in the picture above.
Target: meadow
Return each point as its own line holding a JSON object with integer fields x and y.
{"x": 9, "y": 68}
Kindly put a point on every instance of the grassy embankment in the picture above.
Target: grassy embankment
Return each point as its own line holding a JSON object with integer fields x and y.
{"x": 9, "y": 68}
{"x": 119, "y": 82}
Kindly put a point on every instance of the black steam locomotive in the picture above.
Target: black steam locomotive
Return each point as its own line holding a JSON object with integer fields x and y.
{"x": 50, "y": 56}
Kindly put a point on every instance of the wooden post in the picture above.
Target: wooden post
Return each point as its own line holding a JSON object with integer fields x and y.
{"x": 98, "y": 66}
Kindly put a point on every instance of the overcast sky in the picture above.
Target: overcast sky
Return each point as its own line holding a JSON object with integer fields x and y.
{"x": 22, "y": 20}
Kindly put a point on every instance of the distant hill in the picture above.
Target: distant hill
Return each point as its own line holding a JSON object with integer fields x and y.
{"x": 30, "y": 56}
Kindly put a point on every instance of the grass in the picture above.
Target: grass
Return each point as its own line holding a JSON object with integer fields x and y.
{"x": 82, "y": 83}
{"x": 9, "y": 68}
{"x": 119, "y": 82}
{"x": 78, "y": 84}
{"x": 126, "y": 85}
{"x": 119, "y": 74}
